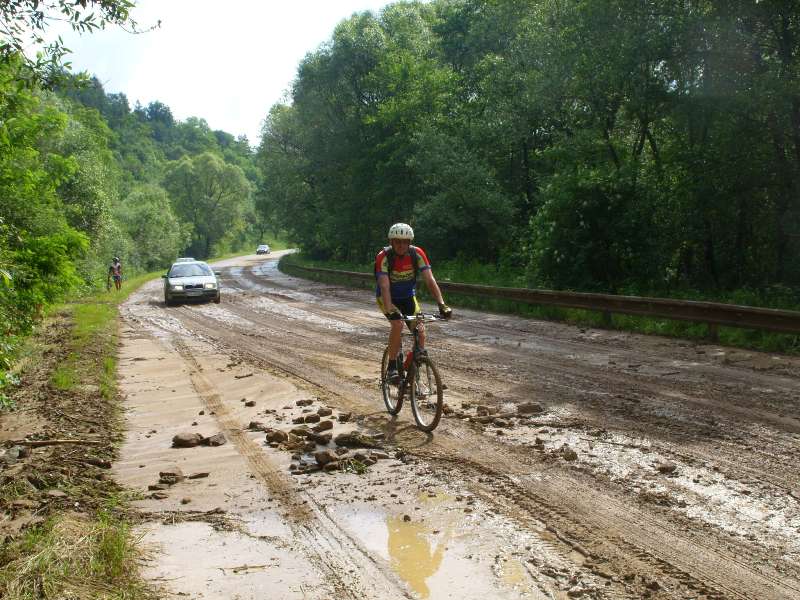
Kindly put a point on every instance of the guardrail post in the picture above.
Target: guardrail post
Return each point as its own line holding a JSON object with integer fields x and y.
{"x": 713, "y": 332}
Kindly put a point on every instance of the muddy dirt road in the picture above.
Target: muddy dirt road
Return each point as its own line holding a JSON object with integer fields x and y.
{"x": 640, "y": 467}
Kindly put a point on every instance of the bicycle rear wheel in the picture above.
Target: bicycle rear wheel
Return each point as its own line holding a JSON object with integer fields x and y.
{"x": 392, "y": 396}
{"x": 427, "y": 397}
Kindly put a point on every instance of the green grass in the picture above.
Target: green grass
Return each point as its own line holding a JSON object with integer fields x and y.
{"x": 504, "y": 277}
{"x": 65, "y": 378}
{"x": 70, "y": 556}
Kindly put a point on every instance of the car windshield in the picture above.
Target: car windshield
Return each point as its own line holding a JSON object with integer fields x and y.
{"x": 189, "y": 270}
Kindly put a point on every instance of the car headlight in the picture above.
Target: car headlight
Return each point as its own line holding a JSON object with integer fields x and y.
{"x": 210, "y": 286}
{"x": 177, "y": 288}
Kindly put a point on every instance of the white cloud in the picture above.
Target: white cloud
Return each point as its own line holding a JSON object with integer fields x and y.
{"x": 226, "y": 62}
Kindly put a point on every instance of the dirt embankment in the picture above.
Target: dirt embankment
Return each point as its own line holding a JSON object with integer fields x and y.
{"x": 571, "y": 463}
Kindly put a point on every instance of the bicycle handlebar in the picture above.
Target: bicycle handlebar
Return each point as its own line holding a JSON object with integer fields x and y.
{"x": 422, "y": 317}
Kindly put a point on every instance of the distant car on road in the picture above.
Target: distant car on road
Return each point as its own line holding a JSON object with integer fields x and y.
{"x": 193, "y": 280}
{"x": 263, "y": 249}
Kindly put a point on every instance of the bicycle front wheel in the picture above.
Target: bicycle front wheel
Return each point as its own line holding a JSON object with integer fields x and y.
{"x": 427, "y": 397}
{"x": 392, "y": 395}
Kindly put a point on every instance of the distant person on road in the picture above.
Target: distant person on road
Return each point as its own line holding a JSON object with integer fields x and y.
{"x": 396, "y": 269}
{"x": 115, "y": 273}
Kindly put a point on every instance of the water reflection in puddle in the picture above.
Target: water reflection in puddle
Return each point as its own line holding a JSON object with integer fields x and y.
{"x": 433, "y": 551}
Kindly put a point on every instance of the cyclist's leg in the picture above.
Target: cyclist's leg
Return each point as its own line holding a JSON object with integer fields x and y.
{"x": 420, "y": 326}
{"x": 394, "y": 333}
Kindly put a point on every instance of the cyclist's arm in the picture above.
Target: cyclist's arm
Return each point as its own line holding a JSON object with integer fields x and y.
{"x": 386, "y": 294}
{"x": 433, "y": 287}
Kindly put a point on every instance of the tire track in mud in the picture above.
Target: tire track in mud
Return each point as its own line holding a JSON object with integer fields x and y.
{"x": 630, "y": 536}
{"x": 618, "y": 536}
{"x": 689, "y": 437}
{"x": 332, "y": 550}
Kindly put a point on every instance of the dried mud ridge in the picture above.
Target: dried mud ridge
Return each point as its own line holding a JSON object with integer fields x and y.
{"x": 658, "y": 468}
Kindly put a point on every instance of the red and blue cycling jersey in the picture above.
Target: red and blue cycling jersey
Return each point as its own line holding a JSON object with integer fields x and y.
{"x": 402, "y": 278}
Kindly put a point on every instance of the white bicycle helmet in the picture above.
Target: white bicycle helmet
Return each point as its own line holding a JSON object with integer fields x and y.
{"x": 401, "y": 231}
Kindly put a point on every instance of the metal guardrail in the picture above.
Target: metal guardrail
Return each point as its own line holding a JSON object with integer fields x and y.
{"x": 712, "y": 313}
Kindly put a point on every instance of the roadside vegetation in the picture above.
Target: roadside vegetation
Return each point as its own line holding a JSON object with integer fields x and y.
{"x": 69, "y": 532}
{"x": 626, "y": 147}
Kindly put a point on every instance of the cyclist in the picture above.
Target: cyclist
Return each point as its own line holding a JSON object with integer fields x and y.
{"x": 396, "y": 270}
{"x": 115, "y": 272}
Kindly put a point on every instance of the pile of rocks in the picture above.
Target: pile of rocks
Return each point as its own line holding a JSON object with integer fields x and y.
{"x": 485, "y": 414}
{"x": 190, "y": 440}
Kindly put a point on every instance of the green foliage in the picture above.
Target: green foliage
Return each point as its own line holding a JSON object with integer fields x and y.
{"x": 210, "y": 195}
{"x": 147, "y": 217}
{"x": 606, "y": 145}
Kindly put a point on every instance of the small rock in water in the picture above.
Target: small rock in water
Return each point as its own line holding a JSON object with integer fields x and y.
{"x": 323, "y": 426}
{"x": 277, "y": 436}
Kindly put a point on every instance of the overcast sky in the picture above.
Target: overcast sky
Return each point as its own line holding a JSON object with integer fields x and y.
{"x": 227, "y": 62}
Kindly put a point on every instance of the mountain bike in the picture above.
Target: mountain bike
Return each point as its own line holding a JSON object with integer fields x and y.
{"x": 421, "y": 381}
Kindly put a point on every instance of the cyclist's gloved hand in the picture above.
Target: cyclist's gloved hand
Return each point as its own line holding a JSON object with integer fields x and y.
{"x": 445, "y": 311}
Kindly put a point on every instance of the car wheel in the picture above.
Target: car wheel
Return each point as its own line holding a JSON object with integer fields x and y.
{"x": 167, "y": 301}
{"x": 217, "y": 299}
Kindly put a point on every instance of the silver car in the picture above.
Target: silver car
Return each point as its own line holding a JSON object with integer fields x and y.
{"x": 190, "y": 281}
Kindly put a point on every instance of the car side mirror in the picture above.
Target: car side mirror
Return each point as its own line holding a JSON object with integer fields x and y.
{"x": 164, "y": 276}
{"x": 217, "y": 273}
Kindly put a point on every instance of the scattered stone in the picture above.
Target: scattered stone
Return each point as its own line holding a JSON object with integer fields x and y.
{"x": 187, "y": 440}
{"x": 185, "y": 500}
{"x": 666, "y": 468}
{"x": 323, "y": 426}
{"x": 170, "y": 476}
{"x": 502, "y": 423}
{"x": 250, "y": 403}
{"x": 194, "y": 423}
{"x": 298, "y": 420}
{"x": 379, "y": 455}
{"x": 202, "y": 412}
{"x": 243, "y": 375}
{"x": 447, "y": 409}
{"x": 406, "y": 518}
{"x": 324, "y": 412}
{"x": 313, "y": 418}
{"x": 257, "y": 426}
{"x": 539, "y": 443}
{"x": 341, "y": 451}
{"x": 306, "y": 402}
{"x": 277, "y": 436}
{"x": 331, "y": 466}
{"x": 159, "y": 496}
{"x": 345, "y": 417}
{"x": 568, "y": 453}
{"x": 301, "y": 431}
{"x": 356, "y": 440}
{"x": 199, "y": 475}
{"x": 56, "y": 494}
{"x": 320, "y": 438}
{"x": 530, "y": 408}
{"x": 323, "y": 457}
{"x": 218, "y": 439}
